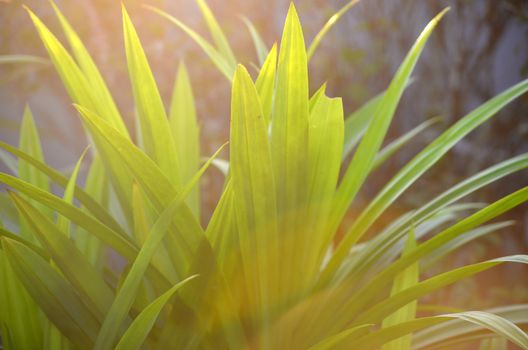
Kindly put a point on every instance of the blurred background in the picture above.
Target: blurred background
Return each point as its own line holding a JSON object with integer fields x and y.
{"x": 479, "y": 49}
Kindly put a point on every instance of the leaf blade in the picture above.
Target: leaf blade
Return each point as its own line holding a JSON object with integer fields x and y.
{"x": 138, "y": 331}
{"x": 53, "y": 294}
{"x": 155, "y": 130}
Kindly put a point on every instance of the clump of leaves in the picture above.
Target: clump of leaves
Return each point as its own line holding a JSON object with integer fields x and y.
{"x": 264, "y": 273}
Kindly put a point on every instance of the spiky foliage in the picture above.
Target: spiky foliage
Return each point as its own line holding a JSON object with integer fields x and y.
{"x": 266, "y": 272}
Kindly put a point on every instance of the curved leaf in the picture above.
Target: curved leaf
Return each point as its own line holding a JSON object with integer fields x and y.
{"x": 260, "y": 46}
{"x": 138, "y": 331}
{"x": 53, "y": 294}
{"x": 218, "y": 59}
{"x": 327, "y": 26}
{"x": 127, "y": 294}
{"x": 361, "y": 163}
{"x": 155, "y": 130}
{"x": 71, "y": 262}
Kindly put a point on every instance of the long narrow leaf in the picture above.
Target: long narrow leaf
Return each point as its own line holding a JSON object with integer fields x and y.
{"x": 219, "y": 61}
{"x": 406, "y": 279}
{"x": 394, "y": 233}
{"x": 187, "y": 233}
{"x": 459, "y": 329}
{"x": 138, "y": 331}
{"x": 260, "y": 46}
{"x": 186, "y": 133}
{"x": 327, "y": 26}
{"x": 9, "y": 59}
{"x": 364, "y": 156}
{"x": 63, "y": 223}
{"x": 254, "y": 201}
{"x": 420, "y": 164}
{"x": 393, "y": 147}
{"x": 289, "y": 141}
{"x": 93, "y": 76}
{"x": 126, "y": 295}
{"x": 53, "y": 294}
{"x": 218, "y": 35}
{"x": 265, "y": 83}
{"x": 95, "y": 208}
{"x": 155, "y": 130}
{"x": 438, "y": 241}
{"x": 75, "y": 267}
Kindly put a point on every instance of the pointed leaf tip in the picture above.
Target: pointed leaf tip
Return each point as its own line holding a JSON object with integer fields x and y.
{"x": 292, "y": 8}
{"x": 241, "y": 71}
{"x": 441, "y": 14}
{"x": 124, "y": 12}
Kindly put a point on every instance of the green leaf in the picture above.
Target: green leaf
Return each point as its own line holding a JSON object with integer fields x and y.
{"x": 376, "y": 284}
{"x": 219, "y": 38}
{"x": 393, "y": 147}
{"x": 496, "y": 324}
{"x": 327, "y": 26}
{"x": 143, "y": 218}
{"x": 128, "y": 291}
{"x": 391, "y": 249}
{"x": 461, "y": 240}
{"x": 81, "y": 92}
{"x": 254, "y": 200}
{"x": 378, "y": 338}
{"x": 97, "y": 186}
{"x": 71, "y": 262}
{"x": 53, "y": 294}
{"x": 9, "y": 162}
{"x": 265, "y": 83}
{"x": 494, "y": 344}
{"x": 122, "y": 244}
{"x": 7, "y": 211}
{"x": 106, "y": 105}
{"x": 333, "y": 341}
{"x": 356, "y": 124}
{"x": 13, "y": 236}
{"x": 141, "y": 215}
{"x": 155, "y": 129}
{"x": 92, "y": 205}
{"x": 377, "y": 249}
{"x": 260, "y": 46}
{"x": 316, "y": 97}
{"x": 73, "y": 78}
{"x": 422, "y": 162}
{"x": 324, "y": 150}
{"x": 143, "y": 168}
{"x": 30, "y": 143}
{"x": 361, "y": 163}
{"x": 138, "y": 331}
{"x": 222, "y": 165}
{"x": 406, "y": 279}
{"x": 428, "y": 156}
{"x": 187, "y": 232}
{"x": 186, "y": 133}
{"x": 289, "y": 142}
{"x": 63, "y": 223}
{"x": 458, "y": 330}
{"x": 10, "y": 59}
{"x": 410, "y": 294}
{"x": 223, "y": 234}
{"x": 289, "y": 136}
{"x": 19, "y": 314}
{"x": 218, "y": 59}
